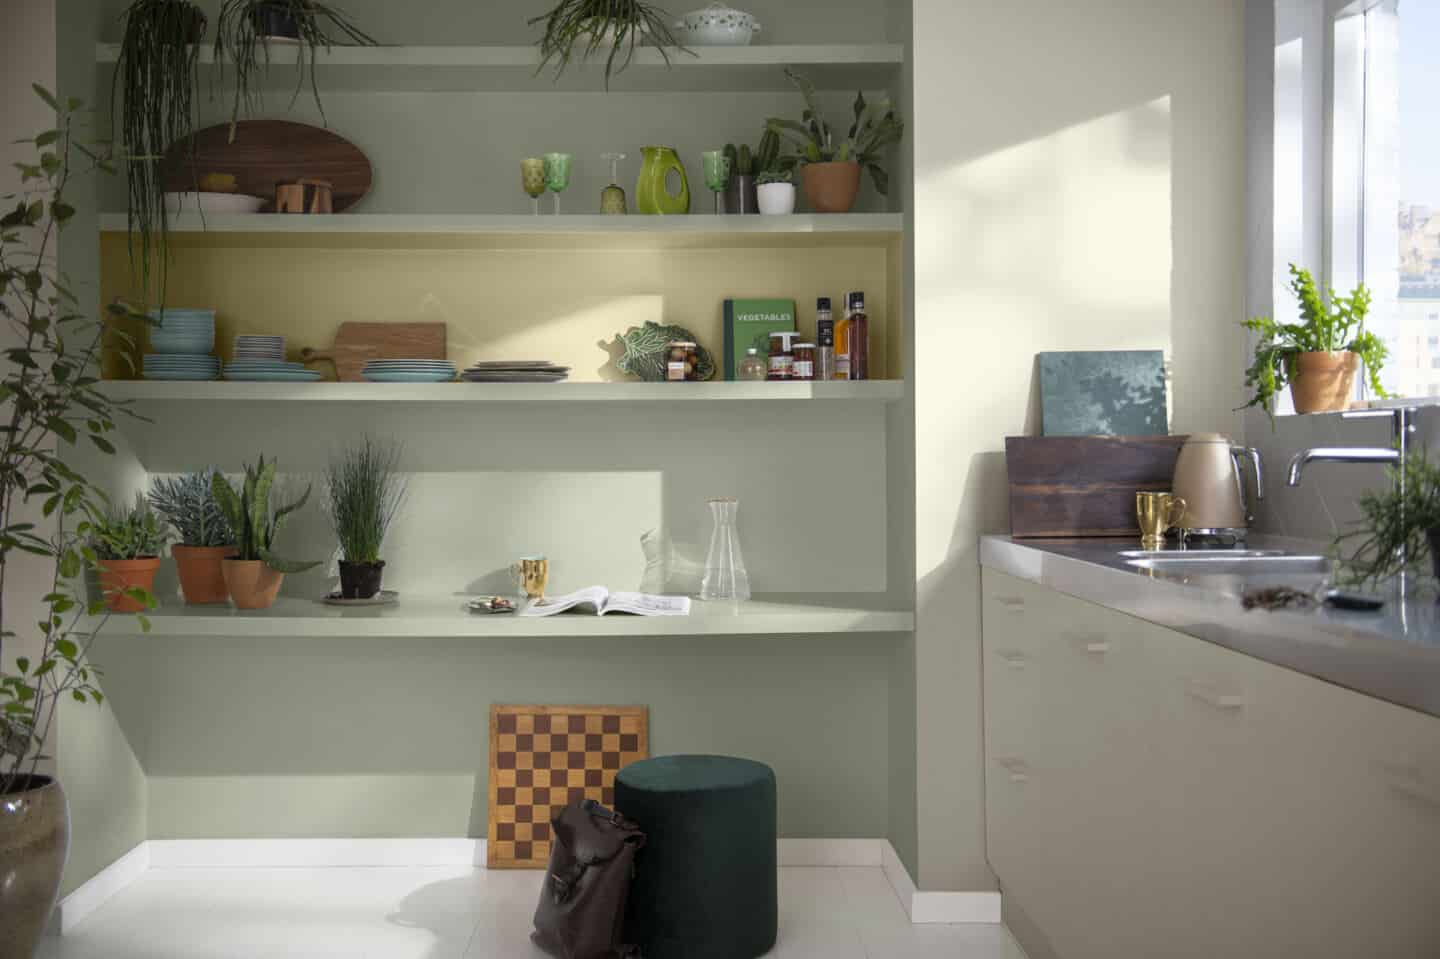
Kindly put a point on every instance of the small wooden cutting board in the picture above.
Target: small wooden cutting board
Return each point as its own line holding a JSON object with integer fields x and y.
{"x": 358, "y": 343}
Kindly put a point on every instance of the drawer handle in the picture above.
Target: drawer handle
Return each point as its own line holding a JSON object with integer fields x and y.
{"x": 1018, "y": 771}
{"x": 1411, "y": 782}
{"x": 1013, "y": 660}
{"x": 1012, "y": 604}
{"x": 1097, "y": 647}
{"x": 1211, "y": 696}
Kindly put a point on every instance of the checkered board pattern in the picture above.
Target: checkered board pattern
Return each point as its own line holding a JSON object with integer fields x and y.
{"x": 543, "y": 758}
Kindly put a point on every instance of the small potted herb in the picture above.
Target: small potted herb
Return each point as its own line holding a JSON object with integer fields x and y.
{"x": 1317, "y": 357}
{"x": 365, "y": 490}
{"x": 253, "y": 574}
{"x": 612, "y": 27}
{"x": 775, "y": 192}
{"x": 127, "y": 545}
{"x": 189, "y": 505}
{"x": 829, "y": 165}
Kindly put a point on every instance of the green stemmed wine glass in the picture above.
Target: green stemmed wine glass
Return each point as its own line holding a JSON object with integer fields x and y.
{"x": 717, "y": 173}
{"x": 557, "y": 175}
{"x": 532, "y": 178}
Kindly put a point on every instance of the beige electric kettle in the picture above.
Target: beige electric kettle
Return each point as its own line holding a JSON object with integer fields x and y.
{"x": 1209, "y": 478}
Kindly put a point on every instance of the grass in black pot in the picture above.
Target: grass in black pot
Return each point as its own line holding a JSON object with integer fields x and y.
{"x": 366, "y": 491}
{"x": 242, "y": 36}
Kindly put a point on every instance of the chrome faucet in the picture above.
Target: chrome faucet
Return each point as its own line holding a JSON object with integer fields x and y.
{"x": 1402, "y": 426}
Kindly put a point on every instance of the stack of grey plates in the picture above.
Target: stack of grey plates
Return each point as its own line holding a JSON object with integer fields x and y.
{"x": 259, "y": 348}
{"x": 515, "y": 371}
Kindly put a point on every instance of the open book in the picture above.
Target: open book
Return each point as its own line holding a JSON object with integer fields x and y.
{"x": 602, "y": 601}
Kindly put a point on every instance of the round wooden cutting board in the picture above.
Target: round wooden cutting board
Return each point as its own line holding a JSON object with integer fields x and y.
{"x": 267, "y": 152}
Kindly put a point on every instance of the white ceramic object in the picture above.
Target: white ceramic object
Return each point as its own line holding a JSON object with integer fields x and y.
{"x": 213, "y": 202}
{"x": 716, "y": 26}
{"x": 775, "y": 199}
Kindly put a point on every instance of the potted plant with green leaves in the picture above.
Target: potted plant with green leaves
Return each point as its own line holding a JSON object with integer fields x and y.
{"x": 740, "y": 193}
{"x": 53, "y": 404}
{"x": 128, "y": 544}
{"x": 829, "y": 165}
{"x": 365, "y": 490}
{"x": 614, "y": 28}
{"x": 246, "y": 29}
{"x": 254, "y": 573}
{"x": 154, "y": 88}
{"x": 1399, "y": 525}
{"x": 1317, "y": 357}
{"x": 775, "y": 192}
{"x": 188, "y": 504}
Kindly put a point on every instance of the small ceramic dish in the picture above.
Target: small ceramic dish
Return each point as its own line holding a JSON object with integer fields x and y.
{"x": 492, "y": 604}
{"x": 716, "y": 26}
{"x": 386, "y": 597}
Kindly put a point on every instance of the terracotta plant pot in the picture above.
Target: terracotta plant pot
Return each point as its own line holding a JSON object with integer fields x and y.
{"x": 1322, "y": 382}
{"x": 360, "y": 580}
{"x": 121, "y": 574}
{"x": 831, "y": 187}
{"x": 34, "y": 839}
{"x": 251, "y": 583}
{"x": 201, "y": 578}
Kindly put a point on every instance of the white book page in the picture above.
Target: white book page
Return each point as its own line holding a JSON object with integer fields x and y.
{"x": 646, "y": 604}
{"x": 591, "y": 596}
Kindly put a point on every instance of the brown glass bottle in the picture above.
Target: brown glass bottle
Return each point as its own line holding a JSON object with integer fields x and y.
{"x": 857, "y": 340}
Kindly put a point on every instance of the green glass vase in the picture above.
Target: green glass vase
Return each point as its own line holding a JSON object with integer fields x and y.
{"x": 652, "y": 193}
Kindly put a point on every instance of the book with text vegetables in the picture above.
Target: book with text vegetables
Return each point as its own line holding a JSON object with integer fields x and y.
{"x": 602, "y": 601}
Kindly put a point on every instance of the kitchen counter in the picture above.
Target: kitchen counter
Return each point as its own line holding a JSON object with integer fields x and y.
{"x": 1393, "y": 654}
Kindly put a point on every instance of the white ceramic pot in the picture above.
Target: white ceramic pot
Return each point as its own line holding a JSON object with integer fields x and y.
{"x": 775, "y": 199}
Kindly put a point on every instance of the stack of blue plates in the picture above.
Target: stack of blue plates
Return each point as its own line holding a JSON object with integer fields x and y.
{"x": 183, "y": 332}
{"x": 169, "y": 366}
{"x": 270, "y": 371}
{"x": 409, "y": 371}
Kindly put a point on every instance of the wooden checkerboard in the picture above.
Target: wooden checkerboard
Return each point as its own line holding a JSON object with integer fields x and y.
{"x": 543, "y": 758}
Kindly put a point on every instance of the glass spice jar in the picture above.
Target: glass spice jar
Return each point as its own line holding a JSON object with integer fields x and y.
{"x": 681, "y": 363}
{"x": 803, "y": 368}
{"x": 752, "y": 367}
{"x": 782, "y": 355}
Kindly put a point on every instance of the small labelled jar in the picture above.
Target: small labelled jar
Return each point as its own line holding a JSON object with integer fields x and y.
{"x": 680, "y": 366}
{"x": 803, "y": 367}
{"x": 782, "y": 355}
{"x": 753, "y": 367}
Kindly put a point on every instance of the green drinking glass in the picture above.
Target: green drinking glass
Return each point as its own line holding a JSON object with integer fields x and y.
{"x": 717, "y": 173}
{"x": 557, "y": 175}
{"x": 532, "y": 179}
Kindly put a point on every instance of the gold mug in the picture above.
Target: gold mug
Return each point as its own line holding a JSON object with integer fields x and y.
{"x": 532, "y": 574}
{"x": 1156, "y": 513}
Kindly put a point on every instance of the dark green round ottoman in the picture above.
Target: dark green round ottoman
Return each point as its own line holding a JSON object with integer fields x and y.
{"x": 705, "y": 882}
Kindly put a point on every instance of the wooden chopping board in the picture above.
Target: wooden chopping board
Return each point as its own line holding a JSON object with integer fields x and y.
{"x": 358, "y": 343}
{"x": 267, "y": 152}
{"x": 1084, "y": 485}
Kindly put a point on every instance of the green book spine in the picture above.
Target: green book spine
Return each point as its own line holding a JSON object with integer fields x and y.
{"x": 749, "y": 323}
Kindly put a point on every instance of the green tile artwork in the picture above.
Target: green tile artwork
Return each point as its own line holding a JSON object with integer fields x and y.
{"x": 1103, "y": 393}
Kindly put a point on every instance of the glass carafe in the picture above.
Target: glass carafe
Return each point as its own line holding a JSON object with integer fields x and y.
{"x": 725, "y": 576}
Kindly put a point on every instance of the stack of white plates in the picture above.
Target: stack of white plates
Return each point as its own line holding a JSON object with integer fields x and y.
{"x": 170, "y": 366}
{"x": 259, "y": 347}
{"x": 409, "y": 371}
{"x": 183, "y": 332}
{"x": 270, "y": 371}
{"x": 515, "y": 371}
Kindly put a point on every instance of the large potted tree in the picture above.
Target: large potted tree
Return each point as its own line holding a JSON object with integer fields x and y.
{"x": 188, "y": 503}
{"x": 254, "y": 573}
{"x": 47, "y": 510}
{"x": 365, "y": 490}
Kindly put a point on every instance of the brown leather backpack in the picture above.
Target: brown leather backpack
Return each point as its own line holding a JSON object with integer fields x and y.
{"x": 582, "y": 903}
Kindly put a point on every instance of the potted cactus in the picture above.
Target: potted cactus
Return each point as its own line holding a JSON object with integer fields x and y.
{"x": 775, "y": 192}
{"x": 127, "y": 545}
{"x": 189, "y": 505}
{"x": 254, "y": 573}
{"x": 740, "y": 193}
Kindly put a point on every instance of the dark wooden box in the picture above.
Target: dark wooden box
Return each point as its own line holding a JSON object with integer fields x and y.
{"x": 1084, "y": 485}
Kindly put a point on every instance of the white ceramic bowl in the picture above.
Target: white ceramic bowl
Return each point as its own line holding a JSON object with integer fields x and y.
{"x": 213, "y": 202}
{"x": 716, "y": 26}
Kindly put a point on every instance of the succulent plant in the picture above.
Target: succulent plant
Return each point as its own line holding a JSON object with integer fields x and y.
{"x": 775, "y": 176}
{"x": 247, "y": 510}
{"x": 188, "y": 503}
{"x": 136, "y": 533}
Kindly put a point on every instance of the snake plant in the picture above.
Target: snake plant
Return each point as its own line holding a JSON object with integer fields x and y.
{"x": 248, "y": 513}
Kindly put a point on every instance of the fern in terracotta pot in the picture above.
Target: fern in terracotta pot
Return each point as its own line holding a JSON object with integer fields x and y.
{"x": 1318, "y": 357}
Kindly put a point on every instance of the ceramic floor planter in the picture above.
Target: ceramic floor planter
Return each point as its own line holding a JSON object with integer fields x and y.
{"x": 201, "y": 578}
{"x": 34, "y": 839}
{"x": 1322, "y": 382}
{"x": 117, "y": 575}
{"x": 740, "y": 195}
{"x": 360, "y": 580}
{"x": 776, "y": 199}
{"x": 251, "y": 583}
{"x": 831, "y": 187}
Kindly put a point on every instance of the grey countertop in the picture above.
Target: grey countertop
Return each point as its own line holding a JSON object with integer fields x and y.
{"x": 1393, "y": 654}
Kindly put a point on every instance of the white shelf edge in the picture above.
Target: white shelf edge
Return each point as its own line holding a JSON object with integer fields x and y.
{"x": 446, "y": 617}
{"x": 521, "y": 224}
{"x": 222, "y": 391}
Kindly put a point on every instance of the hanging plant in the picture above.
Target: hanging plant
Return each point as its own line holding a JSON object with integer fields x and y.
{"x": 156, "y": 77}
{"x": 616, "y": 26}
{"x": 246, "y": 29}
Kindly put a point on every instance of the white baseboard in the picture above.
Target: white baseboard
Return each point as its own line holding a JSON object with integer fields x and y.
{"x": 159, "y": 856}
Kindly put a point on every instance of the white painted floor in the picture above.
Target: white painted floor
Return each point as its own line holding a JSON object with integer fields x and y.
{"x": 460, "y": 913}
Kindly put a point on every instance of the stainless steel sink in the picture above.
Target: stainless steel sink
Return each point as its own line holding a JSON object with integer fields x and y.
{"x": 1227, "y": 561}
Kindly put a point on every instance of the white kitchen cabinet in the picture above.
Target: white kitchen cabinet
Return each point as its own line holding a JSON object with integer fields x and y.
{"x": 1149, "y": 793}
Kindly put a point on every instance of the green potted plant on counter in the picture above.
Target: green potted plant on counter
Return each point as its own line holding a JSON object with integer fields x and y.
{"x": 1399, "y": 525}
{"x": 365, "y": 490}
{"x": 189, "y": 505}
{"x": 830, "y": 165}
{"x": 1318, "y": 356}
{"x": 254, "y": 573}
{"x": 127, "y": 545}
